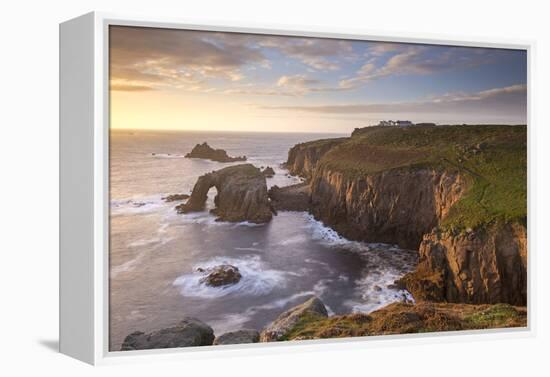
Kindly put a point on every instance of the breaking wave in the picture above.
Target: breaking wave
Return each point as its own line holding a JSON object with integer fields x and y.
{"x": 256, "y": 280}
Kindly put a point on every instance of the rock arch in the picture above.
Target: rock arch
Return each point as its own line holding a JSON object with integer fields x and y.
{"x": 242, "y": 194}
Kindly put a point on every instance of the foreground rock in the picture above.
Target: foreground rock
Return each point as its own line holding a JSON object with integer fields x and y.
{"x": 290, "y": 198}
{"x": 312, "y": 309}
{"x": 238, "y": 337}
{"x": 242, "y": 195}
{"x": 190, "y": 332}
{"x": 206, "y": 152}
{"x": 175, "y": 197}
{"x": 401, "y": 318}
{"x": 484, "y": 266}
{"x": 268, "y": 172}
{"x": 222, "y": 275}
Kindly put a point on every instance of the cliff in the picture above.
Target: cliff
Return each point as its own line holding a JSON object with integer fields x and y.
{"x": 488, "y": 265}
{"x": 303, "y": 158}
{"x": 455, "y": 193}
{"x": 242, "y": 194}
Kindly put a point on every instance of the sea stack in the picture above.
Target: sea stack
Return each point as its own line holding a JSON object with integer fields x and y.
{"x": 206, "y": 152}
{"x": 242, "y": 195}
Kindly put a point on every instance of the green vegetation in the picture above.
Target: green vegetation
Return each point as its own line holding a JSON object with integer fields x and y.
{"x": 399, "y": 318}
{"x": 495, "y": 316}
{"x": 493, "y": 158}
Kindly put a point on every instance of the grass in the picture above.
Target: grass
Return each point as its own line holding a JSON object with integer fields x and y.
{"x": 495, "y": 316}
{"x": 399, "y": 318}
{"x": 493, "y": 158}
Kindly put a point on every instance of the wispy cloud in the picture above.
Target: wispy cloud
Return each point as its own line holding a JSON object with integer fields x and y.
{"x": 173, "y": 58}
{"x": 510, "y": 100}
{"x": 416, "y": 60}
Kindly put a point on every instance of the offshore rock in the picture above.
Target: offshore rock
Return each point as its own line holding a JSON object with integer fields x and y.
{"x": 242, "y": 195}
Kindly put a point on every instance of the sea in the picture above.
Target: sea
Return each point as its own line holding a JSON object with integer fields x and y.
{"x": 155, "y": 253}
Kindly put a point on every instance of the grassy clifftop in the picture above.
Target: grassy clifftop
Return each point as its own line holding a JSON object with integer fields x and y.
{"x": 400, "y": 318}
{"x": 493, "y": 158}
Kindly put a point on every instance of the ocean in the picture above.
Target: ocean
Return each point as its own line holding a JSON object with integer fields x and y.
{"x": 155, "y": 252}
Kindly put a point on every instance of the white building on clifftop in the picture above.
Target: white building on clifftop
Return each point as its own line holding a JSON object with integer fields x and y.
{"x": 395, "y": 123}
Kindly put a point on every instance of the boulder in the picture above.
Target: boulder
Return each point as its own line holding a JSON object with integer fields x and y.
{"x": 224, "y": 274}
{"x": 238, "y": 337}
{"x": 242, "y": 194}
{"x": 206, "y": 152}
{"x": 190, "y": 332}
{"x": 268, "y": 172}
{"x": 277, "y": 330}
{"x": 175, "y": 197}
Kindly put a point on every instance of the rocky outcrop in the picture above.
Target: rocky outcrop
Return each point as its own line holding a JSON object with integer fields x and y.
{"x": 206, "y": 152}
{"x": 474, "y": 266}
{"x": 303, "y": 158}
{"x": 238, "y": 337}
{"x": 278, "y": 329}
{"x": 222, "y": 275}
{"x": 401, "y": 318}
{"x": 268, "y": 172}
{"x": 242, "y": 194}
{"x": 190, "y": 332}
{"x": 395, "y": 206}
{"x": 290, "y": 198}
{"x": 405, "y": 185}
{"x": 175, "y": 197}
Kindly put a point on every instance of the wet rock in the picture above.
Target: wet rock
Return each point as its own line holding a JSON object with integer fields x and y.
{"x": 277, "y": 330}
{"x": 242, "y": 195}
{"x": 224, "y": 274}
{"x": 238, "y": 337}
{"x": 176, "y": 197}
{"x": 268, "y": 172}
{"x": 206, "y": 152}
{"x": 190, "y": 332}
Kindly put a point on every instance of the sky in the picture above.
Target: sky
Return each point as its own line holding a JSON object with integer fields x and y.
{"x": 196, "y": 80}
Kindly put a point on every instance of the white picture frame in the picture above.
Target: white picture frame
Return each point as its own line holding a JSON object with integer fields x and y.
{"x": 84, "y": 183}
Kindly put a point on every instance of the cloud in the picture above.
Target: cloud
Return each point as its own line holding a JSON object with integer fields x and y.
{"x": 155, "y": 57}
{"x": 418, "y": 60}
{"x": 505, "y": 101}
{"x": 130, "y": 87}
{"x": 286, "y": 85}
{"x": 317, "y": 53}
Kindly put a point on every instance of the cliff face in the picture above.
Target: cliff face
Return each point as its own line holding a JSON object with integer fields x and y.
{"x": 396, "y": 206}
{"x": 484, "y": 266}
{"x": 303, "y": 158}
{"x": 456, "y": 193}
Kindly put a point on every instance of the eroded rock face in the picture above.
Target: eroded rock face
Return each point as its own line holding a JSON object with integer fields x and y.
{"x": 302, "y": 158}
{"x": 394, "y": 206}
{"x": 190, "y": 332}
{"x": 238, "y": 337}
{"x": 268, "y": 172}
{"x": 290, "y": 198}
{"x": 206, "y": 152}
{"x": 222, "y": 275}
{"x": 484, "y": 266}
{"x": 242, "y": 194}
{"x": 313, "y": 307}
